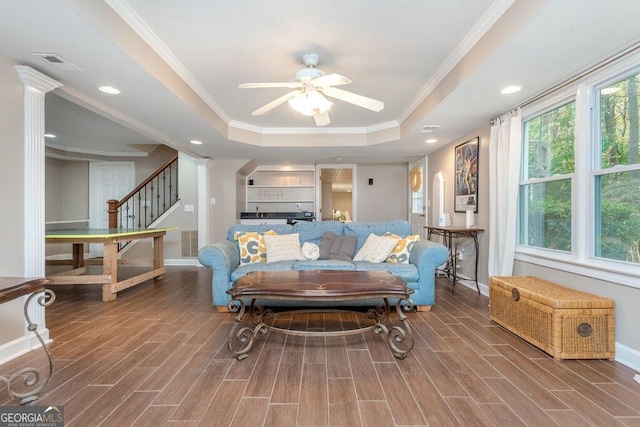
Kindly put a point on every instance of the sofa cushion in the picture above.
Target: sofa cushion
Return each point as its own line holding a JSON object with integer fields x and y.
{"x": 251, "y": 246}
{"x": 260, "y": 228}
{"x": 261, "y": 266}
{"x": 362, "y": 230}
{"x": 408, "y": 272}
{"x": 324, "y": 264}
{"x": 312, "y": 231}
{"x": 337, "y": 247}
{"x": 402, "y": 250}
{"x": 376, "y": 248}
{"x": 282, "y": 247}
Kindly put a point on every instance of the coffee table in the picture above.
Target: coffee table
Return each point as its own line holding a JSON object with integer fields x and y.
{"x": 319, "y": 286}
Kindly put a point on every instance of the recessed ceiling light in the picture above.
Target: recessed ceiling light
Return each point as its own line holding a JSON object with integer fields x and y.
{"x": 510, "y": 89}
{"x": 431, "y": 140}
{"x": 609, "y": 90}
{"x": 196, "y": 142}
{"x": 49, "y": 135}
{"x": 110, "y": 90}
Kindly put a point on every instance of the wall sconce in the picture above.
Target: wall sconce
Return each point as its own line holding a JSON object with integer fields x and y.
{"x": 370, "y": 181}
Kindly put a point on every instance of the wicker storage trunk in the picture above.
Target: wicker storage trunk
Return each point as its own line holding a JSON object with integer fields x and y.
{"x": 566, "y": 323}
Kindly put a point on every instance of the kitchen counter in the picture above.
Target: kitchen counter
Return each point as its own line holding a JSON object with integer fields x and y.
{"x": 275, "y": 217}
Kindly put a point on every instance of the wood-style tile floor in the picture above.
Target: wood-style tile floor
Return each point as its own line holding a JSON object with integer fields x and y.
{"x": 157, "y": 357}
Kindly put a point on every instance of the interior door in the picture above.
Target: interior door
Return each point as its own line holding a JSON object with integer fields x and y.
{"x": 418, "y": 196}
{"x": 336, "y": 191}
{"x": 107, "y": 180}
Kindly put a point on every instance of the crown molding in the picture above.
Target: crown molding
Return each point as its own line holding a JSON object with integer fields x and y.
{"x": 36, "y": 79}
{"x": 89, "y": 151}
{"x": 131, "y": 17}
{"x": 314, "y": 130}
{"x": 497, "y": 9}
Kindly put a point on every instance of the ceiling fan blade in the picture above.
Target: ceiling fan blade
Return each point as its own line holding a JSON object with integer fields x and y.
{"x": 273, "y": 104}
{"x": 322, "y": 119}
{"x": 291, "y": 85}
{"x": 353, "y": 98}
{"x": 330, "y": 80}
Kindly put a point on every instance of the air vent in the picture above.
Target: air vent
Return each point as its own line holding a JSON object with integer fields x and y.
{"x": 428, "y": 128}
{"x": 57, "y": 60}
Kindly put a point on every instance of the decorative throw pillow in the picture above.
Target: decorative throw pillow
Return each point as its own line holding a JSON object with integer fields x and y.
{"x": 376, "y": 248}
{"x": 283, "y": 247}
{"x": 251, "y": 245}
{"x": 333, "y": 246}
{"x": 400, "y": 254}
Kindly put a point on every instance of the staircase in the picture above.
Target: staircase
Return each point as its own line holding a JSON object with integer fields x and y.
{"x": 148, "y": 201}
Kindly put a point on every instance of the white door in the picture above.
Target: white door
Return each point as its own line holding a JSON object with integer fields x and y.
{"x": 107, "y": 180}
{"x": 418, "y": 196}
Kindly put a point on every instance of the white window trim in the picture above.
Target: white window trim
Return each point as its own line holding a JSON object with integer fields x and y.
{"x": 581, "y": 260}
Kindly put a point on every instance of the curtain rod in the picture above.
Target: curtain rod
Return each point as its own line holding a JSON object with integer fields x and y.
{"x": 621, "y": 54}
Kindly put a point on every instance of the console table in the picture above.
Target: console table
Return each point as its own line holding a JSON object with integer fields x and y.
{"x": 10, "y": 289}
{"x": 450, "y": 237}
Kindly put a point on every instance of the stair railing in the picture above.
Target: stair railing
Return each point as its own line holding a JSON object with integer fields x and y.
{"x": 148, "y": 201}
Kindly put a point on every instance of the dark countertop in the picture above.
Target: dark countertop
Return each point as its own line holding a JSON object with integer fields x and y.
{"x": 300, "y": 216}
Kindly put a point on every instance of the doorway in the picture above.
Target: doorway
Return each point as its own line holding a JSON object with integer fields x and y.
{"x": 419, "y": 196}
{"x": 336, "y": 192}
{"x": 107, "y": 180}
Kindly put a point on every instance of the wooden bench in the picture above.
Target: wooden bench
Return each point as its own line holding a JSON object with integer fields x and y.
{"x": 564, "y": 322}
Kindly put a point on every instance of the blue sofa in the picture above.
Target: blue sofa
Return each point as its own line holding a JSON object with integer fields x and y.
{"x": 419, "y": 274}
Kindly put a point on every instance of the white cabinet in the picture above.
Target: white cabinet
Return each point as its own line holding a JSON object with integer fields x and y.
{"x": 279, "y": 189}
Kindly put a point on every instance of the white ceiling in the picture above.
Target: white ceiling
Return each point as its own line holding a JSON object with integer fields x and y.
{"x": 179, "y": 64}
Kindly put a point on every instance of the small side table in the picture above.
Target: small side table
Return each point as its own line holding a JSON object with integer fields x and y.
{"x": 10, "y": 289}
{"x": 450, "y": 237}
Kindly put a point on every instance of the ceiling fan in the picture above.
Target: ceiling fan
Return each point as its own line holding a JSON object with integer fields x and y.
{"x": 310, "y": 87}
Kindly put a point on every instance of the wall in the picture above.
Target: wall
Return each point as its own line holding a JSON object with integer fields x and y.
{"x": 11, "y": 215}
{"x": 226, "y": 185}
{"x": 443, "y": 160}
{"x": 342, "y": 201}
{"x": 387, "y": 198}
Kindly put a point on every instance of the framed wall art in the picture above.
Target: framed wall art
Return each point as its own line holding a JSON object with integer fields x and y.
{"x": 466, "y": 176}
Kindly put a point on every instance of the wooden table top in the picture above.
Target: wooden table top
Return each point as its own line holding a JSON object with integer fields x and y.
{"x": 14, "y": 287}
{"x": 320, "y": 285}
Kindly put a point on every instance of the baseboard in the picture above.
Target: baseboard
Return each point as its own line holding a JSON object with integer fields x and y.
{"x": 628, "y": 356}
{"x": 23, "y": 345}
{"x": 181, "y": 262}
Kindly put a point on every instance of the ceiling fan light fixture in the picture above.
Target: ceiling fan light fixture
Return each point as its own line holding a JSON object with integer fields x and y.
{"x": 310, "y": 102}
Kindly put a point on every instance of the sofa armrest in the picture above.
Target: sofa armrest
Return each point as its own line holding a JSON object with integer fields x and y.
{"x": 223, "y": 257}
{"x": 427, "y": 256}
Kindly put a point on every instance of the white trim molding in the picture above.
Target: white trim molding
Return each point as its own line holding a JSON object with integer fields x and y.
{"x": 36, "y": 85}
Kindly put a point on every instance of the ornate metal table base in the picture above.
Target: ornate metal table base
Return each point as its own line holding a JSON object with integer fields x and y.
{"x": 399, "y": 337}
{"x": 30, "y": 376}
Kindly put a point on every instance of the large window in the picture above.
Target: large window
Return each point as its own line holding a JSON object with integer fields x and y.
{"x": 547, "y": 172}
{"x": 617, "y": 172}
{"x": 579, "y": 199}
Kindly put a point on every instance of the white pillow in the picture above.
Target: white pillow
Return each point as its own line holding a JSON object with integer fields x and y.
{"x": 283, "y": 247}
{"x": 376, "y": 249}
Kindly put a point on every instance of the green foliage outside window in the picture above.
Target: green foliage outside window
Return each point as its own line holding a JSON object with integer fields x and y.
{"x": 618, "y": 194}
{"x": 546, "y": 213}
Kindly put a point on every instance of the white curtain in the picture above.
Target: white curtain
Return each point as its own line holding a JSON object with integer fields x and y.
{"x": 504, "y": 174}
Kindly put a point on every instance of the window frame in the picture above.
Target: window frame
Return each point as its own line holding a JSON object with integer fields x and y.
{"x": 581, "y": 260}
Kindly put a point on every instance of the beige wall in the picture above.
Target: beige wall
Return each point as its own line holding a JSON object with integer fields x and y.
{"x": 387, "y": 198}
{"x": 443, "y": 160}
{"x": 12, "y": 212}
{"x": 226, "y": 185}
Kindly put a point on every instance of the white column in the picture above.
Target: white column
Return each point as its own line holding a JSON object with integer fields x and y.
{"x": 204, "y": 201}
{"x": 36, "y": 85}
